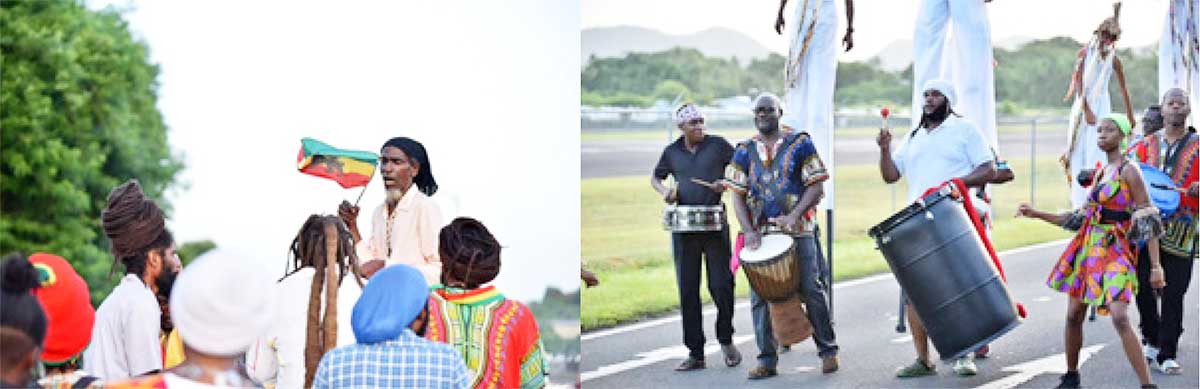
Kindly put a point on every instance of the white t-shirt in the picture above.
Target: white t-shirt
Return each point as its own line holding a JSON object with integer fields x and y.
{"x": 125, "y": 336}
{"x": 930, "y": 158}
{"x": 279, "y": 356}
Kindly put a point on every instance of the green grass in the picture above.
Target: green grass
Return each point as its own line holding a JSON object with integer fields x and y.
{"x": 623, "y": 241}
{"x": 736, "y": 134}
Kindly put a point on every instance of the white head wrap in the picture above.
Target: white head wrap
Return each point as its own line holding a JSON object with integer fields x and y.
{"x": 686, "y": 113}
{"x": 222, "y": 303}
{"x": 942, "y": 86}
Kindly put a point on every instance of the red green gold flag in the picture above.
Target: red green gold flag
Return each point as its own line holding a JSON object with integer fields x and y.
{"x": 350, "y": 168}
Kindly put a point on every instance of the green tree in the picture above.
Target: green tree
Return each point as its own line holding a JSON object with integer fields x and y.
{"x": 670, "y": 89}
{"x": 79, "y": 117}
{"x": 190, "y": 250}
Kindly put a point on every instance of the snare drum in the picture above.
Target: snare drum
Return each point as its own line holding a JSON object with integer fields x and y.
{"x": 694, "y": 218}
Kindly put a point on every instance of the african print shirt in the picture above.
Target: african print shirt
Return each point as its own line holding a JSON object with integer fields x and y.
{"x": 775, "y": 177}
{"x": 497, "y": 337}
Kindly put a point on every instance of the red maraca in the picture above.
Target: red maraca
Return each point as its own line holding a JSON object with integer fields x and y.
{"x": 884, "y": 112}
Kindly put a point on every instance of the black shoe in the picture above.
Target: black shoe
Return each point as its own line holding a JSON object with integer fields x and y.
{"x": 691, "y": 363}
{"x": 762, "y": 372}
{"x": 733, "y": 357}
{"x": 1069, "y": 380}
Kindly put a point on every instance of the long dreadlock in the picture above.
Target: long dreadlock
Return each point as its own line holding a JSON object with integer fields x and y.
{"x": 313, "y": 247}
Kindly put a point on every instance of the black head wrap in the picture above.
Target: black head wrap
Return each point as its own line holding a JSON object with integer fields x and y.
{"x": 416, "y": 152}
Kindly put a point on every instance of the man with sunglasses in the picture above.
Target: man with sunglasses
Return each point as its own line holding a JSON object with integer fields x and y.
{"x": 698, "y": 161}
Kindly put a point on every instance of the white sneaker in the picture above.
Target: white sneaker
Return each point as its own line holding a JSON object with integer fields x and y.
{"x": 1170, "y": 367}
{"x": 965, "y": 366}
{"x": 1150, "y": 352}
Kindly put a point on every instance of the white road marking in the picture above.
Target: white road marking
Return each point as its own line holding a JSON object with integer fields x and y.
{"x": 656, "y": 356}
{"x": 1056, "y": 363}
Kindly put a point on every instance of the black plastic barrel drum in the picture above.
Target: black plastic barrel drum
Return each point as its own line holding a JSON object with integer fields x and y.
{"x": 947, "y": 275}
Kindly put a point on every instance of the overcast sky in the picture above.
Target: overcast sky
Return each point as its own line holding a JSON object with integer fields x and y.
{"x": 880, "y": 22}
{"x": 491, "y": 89}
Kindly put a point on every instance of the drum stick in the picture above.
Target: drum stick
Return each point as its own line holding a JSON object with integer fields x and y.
{"x": 900, "y": 328}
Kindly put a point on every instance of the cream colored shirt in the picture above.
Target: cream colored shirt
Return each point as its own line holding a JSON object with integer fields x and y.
{"x": 412, "y": 233}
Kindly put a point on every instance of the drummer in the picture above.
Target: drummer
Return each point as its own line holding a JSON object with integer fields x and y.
{"x": 697, "y": 161}
{"x": 1174, "y": 152}
{"x": 777, "y": 179}
{"x": 942, "y": 148}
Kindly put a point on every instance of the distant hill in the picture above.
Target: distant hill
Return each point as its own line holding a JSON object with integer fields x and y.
{"x": 714, "y": 42}
{"x": 896, "y": 55}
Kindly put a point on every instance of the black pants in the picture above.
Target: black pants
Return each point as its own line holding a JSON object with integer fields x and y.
{"x": 716, "y": 251}
{"x": 1163, "y": 328}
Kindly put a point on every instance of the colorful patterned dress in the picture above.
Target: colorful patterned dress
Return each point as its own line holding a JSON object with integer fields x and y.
{"x": 497, "y": 337}
{"x": 1098, "y": 266}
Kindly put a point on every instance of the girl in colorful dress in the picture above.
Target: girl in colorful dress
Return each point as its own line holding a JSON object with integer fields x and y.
{"x": 497, "y": 337}
{"x": 1099, "y": 267}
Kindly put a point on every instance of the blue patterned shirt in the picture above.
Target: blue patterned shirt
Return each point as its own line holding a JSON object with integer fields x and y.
{"x": 406, "y": 362}
{"x": 774, "y": 177}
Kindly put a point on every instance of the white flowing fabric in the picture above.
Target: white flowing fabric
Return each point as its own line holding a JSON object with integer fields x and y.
{"x": 810, "y": 76}
{"x": 1178, "y": 50}
{"x": 1083, "y": 151}
{"x": 967, "y": 64}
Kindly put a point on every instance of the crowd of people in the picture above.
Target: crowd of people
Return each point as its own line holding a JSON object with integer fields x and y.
{"x": 411, "y": 306}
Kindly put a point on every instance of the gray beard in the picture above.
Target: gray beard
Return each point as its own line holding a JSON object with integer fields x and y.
{"x": 394, "y": 196}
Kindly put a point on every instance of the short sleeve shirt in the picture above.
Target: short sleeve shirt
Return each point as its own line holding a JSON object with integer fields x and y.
{"x": 707, "y": 163}
{"x": 800, "y": 168}
{"x": 927, "y": 159}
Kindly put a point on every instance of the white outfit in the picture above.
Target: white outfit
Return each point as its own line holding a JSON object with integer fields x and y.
{"x": 1084, "y": 151}
{"x": 278, "y": 357}
{"x": 1178, "y": 53}
{"x": 125, "y": 336}
{"x": 810, "y": 76}
{"x": 929, "y": 158}
{"x": 968, "y": 63}
{"x": 412, "y": 233}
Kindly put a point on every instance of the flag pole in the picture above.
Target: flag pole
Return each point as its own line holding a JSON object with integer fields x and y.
{"x": 364, "y": 190}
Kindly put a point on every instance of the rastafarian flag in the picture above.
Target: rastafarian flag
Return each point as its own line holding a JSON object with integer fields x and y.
{"x": 350, "y": 168}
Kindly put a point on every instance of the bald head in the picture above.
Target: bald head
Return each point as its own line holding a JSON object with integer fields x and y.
{"x": 1175, "y": 109}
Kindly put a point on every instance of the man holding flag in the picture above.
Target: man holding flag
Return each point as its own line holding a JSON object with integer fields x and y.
{"x": 405, "y": 227}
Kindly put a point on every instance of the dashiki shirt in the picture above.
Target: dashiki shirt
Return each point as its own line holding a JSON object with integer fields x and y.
{"x": 775, "y": 177}
{"x": 497, "y": 337}
{"x": 1180, "y": 162}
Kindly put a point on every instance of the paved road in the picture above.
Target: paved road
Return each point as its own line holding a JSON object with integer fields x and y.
{"x": 643, "y": 354}
{"x": 637, "y": 157}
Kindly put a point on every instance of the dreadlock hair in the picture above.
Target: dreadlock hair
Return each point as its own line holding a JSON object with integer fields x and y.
{"x": 21, "y": 310}
{"x": 313, "y": 247}
{"x": 926, "y": 118}
{"x": 469, "y": 253}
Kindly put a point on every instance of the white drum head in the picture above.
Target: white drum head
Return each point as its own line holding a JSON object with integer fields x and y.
{"x": 772, "y": 245}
